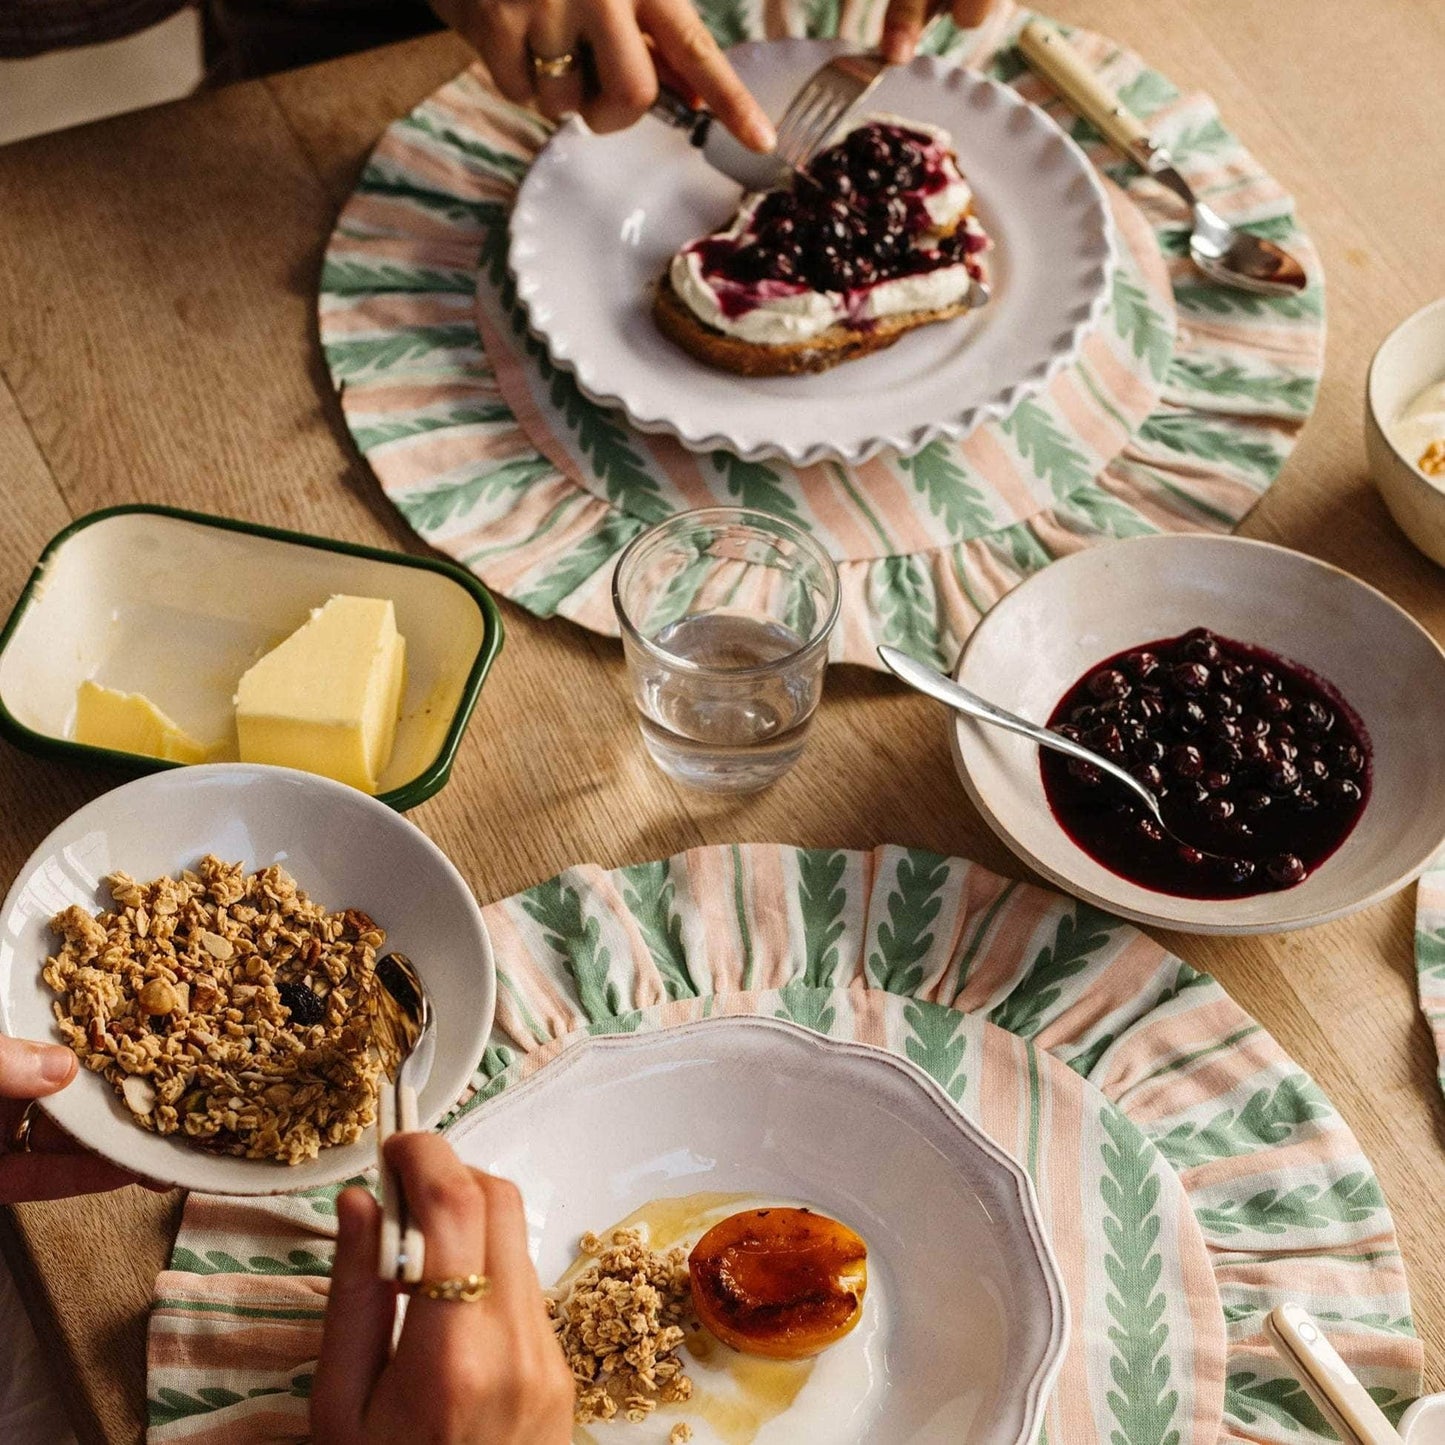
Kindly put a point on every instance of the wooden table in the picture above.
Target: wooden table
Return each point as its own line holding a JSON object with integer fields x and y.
{"x": 157, "y": 343}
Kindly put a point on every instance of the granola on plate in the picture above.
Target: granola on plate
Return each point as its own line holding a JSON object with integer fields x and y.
{"x": 229, "y": 1008}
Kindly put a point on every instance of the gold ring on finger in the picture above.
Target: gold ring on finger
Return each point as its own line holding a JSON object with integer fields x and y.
{"x": 553, "y": 67}
{"x": 19, "y": 1140}
{"x": 460, "y": 1289}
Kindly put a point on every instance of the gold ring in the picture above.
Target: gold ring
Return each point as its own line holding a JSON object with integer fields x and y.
{"x": 19, "y": 1141}
{"x": 553, "y": 67}
{"x": 460, "y": 1289}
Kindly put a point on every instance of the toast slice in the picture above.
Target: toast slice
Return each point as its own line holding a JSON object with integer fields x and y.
{"x": 794, "y": 358}
{"x": 876, "y": 239}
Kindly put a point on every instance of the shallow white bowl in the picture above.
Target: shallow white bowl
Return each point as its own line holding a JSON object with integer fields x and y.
{"x": 346, "y": 850}
{"x": 1037, "y": 642}
{"x": 1410, "y": 358}
{"x": 598, "y": 218}
{"x": 965, "y": 1312}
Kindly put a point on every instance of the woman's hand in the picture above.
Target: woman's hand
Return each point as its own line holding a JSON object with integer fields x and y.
{"x": 618, "y": 46}
{"x": 486, "y": 1373}
{"x": 904, "y": 21}
{"x": 55, "y": 1165}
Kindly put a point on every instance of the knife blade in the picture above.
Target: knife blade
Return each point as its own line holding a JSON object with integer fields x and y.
{"x": 719, "y": 147}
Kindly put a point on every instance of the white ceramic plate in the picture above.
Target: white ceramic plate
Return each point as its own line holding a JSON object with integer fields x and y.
{"x": 599, "y": 217}
{"x": 964, "y": 1322}
{"x": 1043, "y": 636}
{"x": 178, "y": 605}
{"x": 343, "y": 848}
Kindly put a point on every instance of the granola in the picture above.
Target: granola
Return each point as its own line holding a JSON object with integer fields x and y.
{"x": 620, "y": 1323}
{"x": 229, "y": 1008}
{"x": 1432, "y": 460}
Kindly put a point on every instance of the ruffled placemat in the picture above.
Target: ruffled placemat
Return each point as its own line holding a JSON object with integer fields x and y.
{"x": 998, "y": 990}
{"x": 1179, "y": 414}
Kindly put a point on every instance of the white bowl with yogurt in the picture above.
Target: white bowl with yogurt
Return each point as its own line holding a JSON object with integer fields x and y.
{"x": 1404, "y": 415}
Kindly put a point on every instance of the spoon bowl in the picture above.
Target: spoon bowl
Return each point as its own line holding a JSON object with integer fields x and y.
{"x": 934, "y": 684}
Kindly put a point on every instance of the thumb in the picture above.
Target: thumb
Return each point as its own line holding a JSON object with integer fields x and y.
{"x": 31, "y": 1070}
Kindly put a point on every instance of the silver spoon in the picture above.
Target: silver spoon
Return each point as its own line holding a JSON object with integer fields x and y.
{"x": 403, "y": 1246}
{"x": 928, "y": 680}
{"x": 1223, "y": 252}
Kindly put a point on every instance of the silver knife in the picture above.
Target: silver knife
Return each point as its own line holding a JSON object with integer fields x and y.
{"x": 719, "y": 147}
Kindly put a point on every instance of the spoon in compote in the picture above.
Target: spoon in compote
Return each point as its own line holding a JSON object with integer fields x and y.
{"x": 934, "y": 684}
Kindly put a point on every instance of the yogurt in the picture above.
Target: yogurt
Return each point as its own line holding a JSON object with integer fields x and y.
{"x": 1419, "y": 425}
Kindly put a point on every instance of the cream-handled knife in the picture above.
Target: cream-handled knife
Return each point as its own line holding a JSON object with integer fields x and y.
{"x": 1333, "y": 1386}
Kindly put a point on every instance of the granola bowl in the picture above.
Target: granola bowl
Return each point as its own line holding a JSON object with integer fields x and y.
{"x": 183, "y": 980}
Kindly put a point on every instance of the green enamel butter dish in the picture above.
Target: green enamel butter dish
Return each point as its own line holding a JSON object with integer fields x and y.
{"x": 177, "y": 605}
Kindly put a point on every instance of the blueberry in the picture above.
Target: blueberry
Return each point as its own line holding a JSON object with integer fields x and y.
{"x": 1109, "y": 683}
{"x": 1286, "y": 870}
{"x": 1190, "y": 677}
{"x": 1222, "y": 705}
{"x": 1253, "y": 726}
{"x": 1275, "y": 705}
{"x": 1282, "y": 750}
{"x": 1186, "y": 762}
{"x": 1149, "y": 751}
{"x": 1265, "y": 681}
{"x": 1140, "y": 665}
{"x": 1346, "y": 758}
{"x": 1254, "y": 800}
{"x": 1340, "y": 793}
{"x": 304, "y": 1006}
{"x": 1187, "y": 717}
{"x": 1225, "y": 756}
{"x": 1084, "y": 716}
{"x": 1216, "y": 780}
{"x": 1085, "y": 773}
{"x": 1282, "y": 778}
{"x": 1219, "y": 810}
{"x": 1232, "y": 677}
{"x": 1200, "y": 646}
{"x": 1256, "y": 752}
{"x": 1313, "y": 770}
{"x": 1305, "y": 801}
{"x": 1151, "y": 777}
{"x": 1237, "y": 870}
{"x": 1315, "y": 717}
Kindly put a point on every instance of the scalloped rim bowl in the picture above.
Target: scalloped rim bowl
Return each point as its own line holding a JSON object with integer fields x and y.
{"x": 598, "y": 218}
{"x": 964, "y": 1290}
{"x": 345, "y": 849}
{"x": 1032, "y": 646}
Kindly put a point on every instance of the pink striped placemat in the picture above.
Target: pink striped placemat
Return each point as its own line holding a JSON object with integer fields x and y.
{"x": 1192, "y": 1176}
{"x": 1180, "y": 412}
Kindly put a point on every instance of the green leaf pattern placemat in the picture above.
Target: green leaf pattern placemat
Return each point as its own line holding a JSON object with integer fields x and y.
{"x": 1130, "y": 1085}
{"x": 1184, "y": 406}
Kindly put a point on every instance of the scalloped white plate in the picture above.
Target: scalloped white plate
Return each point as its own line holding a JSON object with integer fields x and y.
{"x": 599, "y": 217}
{"x": 965, "y": 1322}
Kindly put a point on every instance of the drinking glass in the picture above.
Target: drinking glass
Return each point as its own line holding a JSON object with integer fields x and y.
{"x": 725, "y": 615}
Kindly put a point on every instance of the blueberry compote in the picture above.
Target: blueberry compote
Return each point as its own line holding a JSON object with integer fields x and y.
{"x": 1254, "y": 759}
{"x": 856, "y": 217}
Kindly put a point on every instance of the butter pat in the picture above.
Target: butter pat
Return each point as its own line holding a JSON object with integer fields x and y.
{"x": 326, "y": 699}
{"x": 129, "y": 722}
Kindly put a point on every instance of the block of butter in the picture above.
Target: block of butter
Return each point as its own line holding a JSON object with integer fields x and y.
{"x": 130, "y": 722}
{"x": 326, "y": 699}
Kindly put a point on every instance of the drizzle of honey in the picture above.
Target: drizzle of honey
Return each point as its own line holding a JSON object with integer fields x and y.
{"x": 764, "y": 1388}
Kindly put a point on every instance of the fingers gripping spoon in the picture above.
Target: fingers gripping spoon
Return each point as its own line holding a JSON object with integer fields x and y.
{"x": 403, "y": 1247}
{"x": 1222, "y": 251}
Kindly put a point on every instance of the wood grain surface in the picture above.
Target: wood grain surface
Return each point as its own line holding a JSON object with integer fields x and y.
{"x": 157, "y": 343}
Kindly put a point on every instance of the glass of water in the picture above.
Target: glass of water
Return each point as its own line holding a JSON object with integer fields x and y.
{"x": 725, "y": 616}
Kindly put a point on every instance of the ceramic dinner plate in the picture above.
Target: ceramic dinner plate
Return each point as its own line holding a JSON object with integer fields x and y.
{"x": 599, "y": 217}
{"x": 343, "y": 848}
{"x": 964, "y": 1322}
{"x": 1045, "y": 634}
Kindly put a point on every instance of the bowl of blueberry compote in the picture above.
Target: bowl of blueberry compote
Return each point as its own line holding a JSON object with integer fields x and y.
{"x": 1285, "y": 715}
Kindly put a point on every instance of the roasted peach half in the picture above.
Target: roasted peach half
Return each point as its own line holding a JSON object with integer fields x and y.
{"x": 784, "y": 1283}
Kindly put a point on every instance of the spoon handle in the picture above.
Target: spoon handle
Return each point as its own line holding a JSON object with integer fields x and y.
{"x": 1048, "y": 52}
{"x": 945, "y": 690}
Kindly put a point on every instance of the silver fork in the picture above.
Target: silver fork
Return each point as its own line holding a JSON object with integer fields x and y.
{"x": 835, "y": 88}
